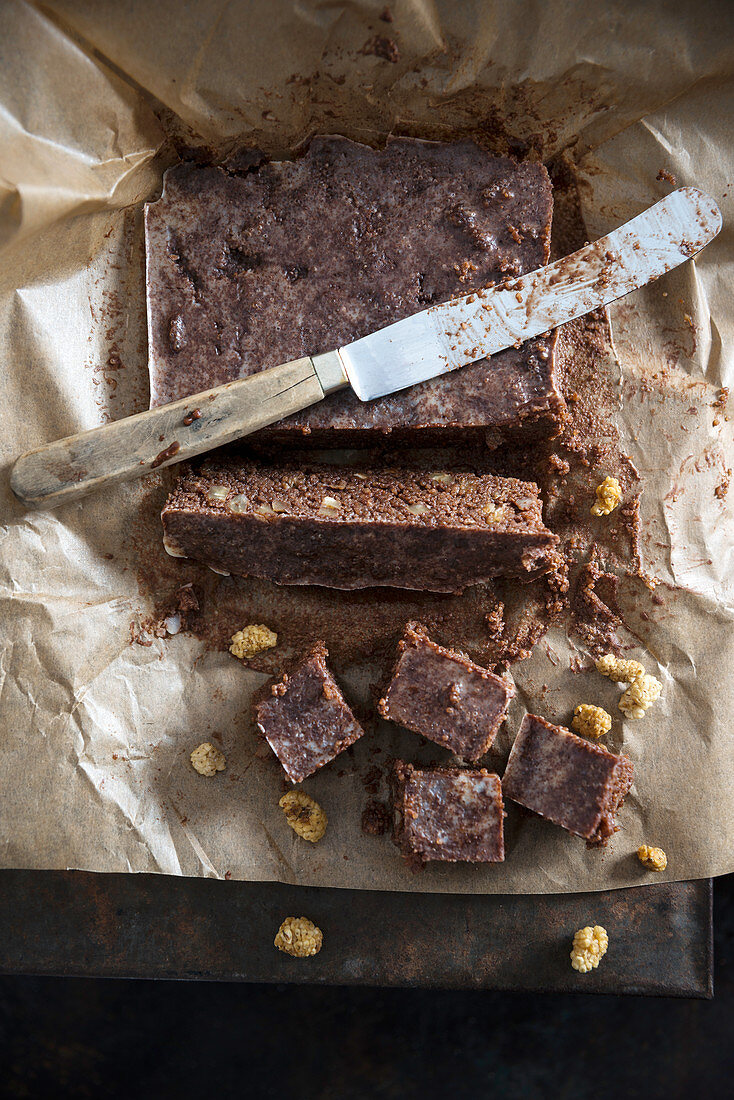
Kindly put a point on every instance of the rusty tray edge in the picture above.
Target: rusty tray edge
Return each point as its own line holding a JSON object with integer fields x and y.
{"x": 72, "y": 923}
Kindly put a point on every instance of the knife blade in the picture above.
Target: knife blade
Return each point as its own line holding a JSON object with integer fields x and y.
{"x": 440, "y": 339}
{"x": 447, "y": 336}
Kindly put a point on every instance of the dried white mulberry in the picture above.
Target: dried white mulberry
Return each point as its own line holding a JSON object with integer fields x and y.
{"x": 304, "y": 815}
{"x": 252, "y": 640}
{"x": 640, "y": 695}
{"x": 589, "y": 946}
{"x": 591, "y": 721}
{"x": 616, "y": 668}
{"x": 654, "y": 859}
{"x": 208, "y": 760}
{"x": 608, "y": 497}
{"x": 298, "y": 936}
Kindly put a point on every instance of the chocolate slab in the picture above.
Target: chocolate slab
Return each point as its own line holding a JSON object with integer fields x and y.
{"x": 444, "y": 696}
{"x": 249, "y": 268}
{"x": 572, "y": 782}
{"x": 350, "y": 528}
{"x": 305, "y": 718}
{"x": 449, "y": 814}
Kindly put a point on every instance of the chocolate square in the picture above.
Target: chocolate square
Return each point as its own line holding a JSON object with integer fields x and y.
{"x": 444, "y": 696}
{"x": 574, "y": 783}
{"x": 305, "y": 718}
{"x": 448, "y": 814}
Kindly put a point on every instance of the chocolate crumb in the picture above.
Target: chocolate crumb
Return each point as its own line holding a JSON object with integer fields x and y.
{"x": 668, "y": 177}
{"x": 375, "y": 818}
{"x": 723, "y": 487}
{"x": 372, "y": 779}
{"x": 382, "y": 47}
{"x": 186, "y": 598}
{"x": 595, "y": 611}
{"x": 195, "y": 414}
{"x": 560, "y": 465}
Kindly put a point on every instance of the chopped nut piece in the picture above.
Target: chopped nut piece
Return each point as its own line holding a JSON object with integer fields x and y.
{"x": 329, "y": 505}
{"x": 208, "y": 760}
{"x": 493, "y": 513}
{"x": 591, "y": 721}
{"x": 608, "y": 497}
{"x": 589, "y": 946}
{"x": 443, "y": 479}
{"x": 654, "y": 859}
{"x": 238, "y": 503}
{"x": 304, "y": 815}
{"x": 298, "y": 936}
{"x": 616, "y": 668}
{"x": 641, "y": 694}
{"x": 172, "y": 549}
{"x": 253, "y": 639}
{"x": 217, "y": 493}
{"x": 417, "y": 509}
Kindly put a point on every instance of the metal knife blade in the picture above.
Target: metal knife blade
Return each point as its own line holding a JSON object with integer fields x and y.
{"x": 460, "y": 331}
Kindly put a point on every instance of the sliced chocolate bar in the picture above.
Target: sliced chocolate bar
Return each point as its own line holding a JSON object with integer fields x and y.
{"x": 345, "y": 527}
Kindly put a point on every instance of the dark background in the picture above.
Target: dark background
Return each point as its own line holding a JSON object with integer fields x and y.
{"x": 113, "y": 1038}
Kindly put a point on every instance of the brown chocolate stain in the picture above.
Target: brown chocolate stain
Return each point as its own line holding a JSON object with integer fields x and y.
{"x": 164, "y": 455}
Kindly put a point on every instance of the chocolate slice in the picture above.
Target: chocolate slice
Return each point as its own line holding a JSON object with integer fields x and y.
{"x": 575, "y": 784}
{"x": 249, "y": 270}
{"x": 449, "y": 814}
{"x": 305, "y": 718}
{"x": 347, "y": 527}
{"x": 444, "y": 696}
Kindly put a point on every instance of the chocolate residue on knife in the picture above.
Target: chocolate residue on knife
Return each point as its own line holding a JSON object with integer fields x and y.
{"x": 164, "y": 456}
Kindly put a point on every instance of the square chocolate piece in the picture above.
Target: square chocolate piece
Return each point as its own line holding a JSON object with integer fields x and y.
{"x": 251, "y": 267}
{"x": 305, "y": 718}
{"x": 575, "y": 784}
{"x": 449, "y": 814}
{"x": 444, "y": 696}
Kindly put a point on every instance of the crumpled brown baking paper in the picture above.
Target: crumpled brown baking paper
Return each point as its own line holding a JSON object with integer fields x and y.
{"x": 96, "y": 733}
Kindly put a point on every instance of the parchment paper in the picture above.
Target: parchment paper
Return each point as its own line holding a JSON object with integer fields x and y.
{"x": 96, "y": 732}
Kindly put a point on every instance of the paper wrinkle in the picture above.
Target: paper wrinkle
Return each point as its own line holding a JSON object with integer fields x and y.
{"x": 96, "y": 732}
{"x": 54, "y": 164}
